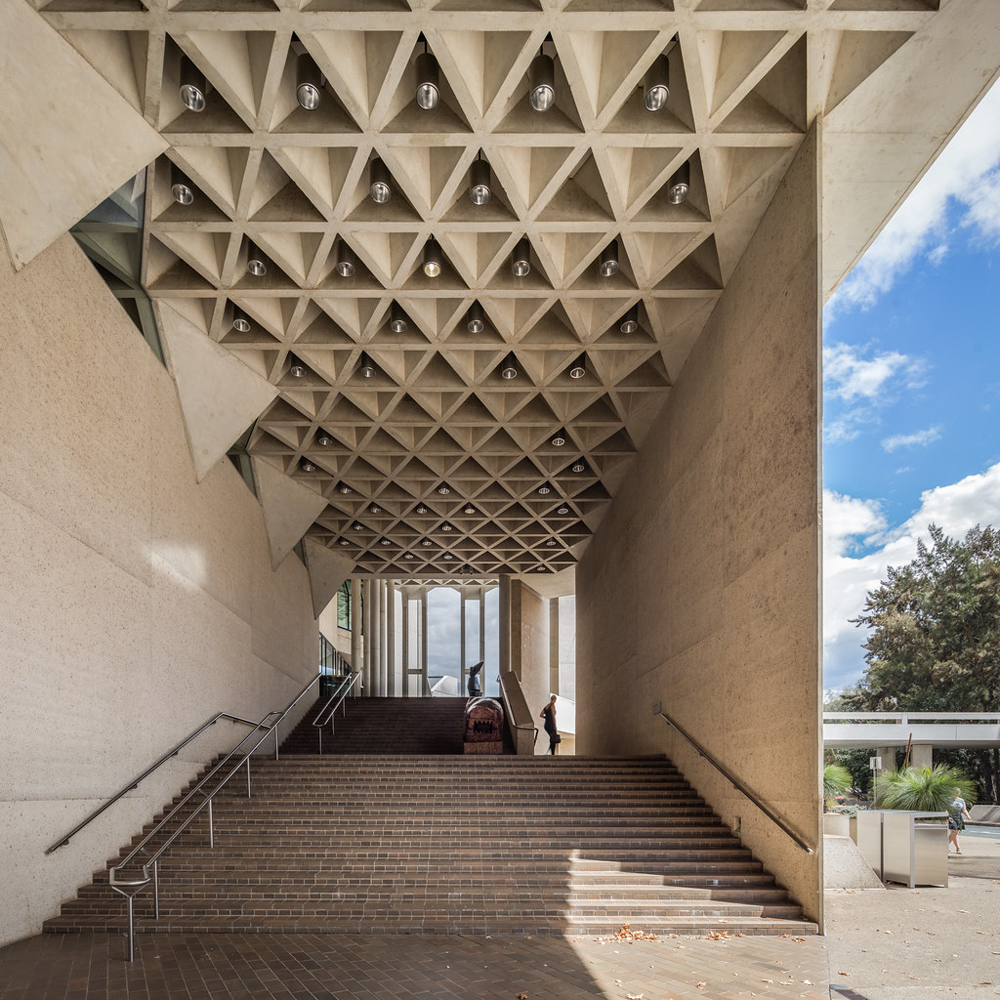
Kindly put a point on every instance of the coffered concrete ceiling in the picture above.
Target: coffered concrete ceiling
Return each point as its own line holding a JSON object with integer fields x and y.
{"x": 747, "y": 80}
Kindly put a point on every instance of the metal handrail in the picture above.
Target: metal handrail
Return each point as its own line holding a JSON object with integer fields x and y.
{"x": 745, "y": 789}
{"x": 340, "y": 692}
{"x": 134, "y": 783}
{"x": 510, "y": 714}
{"x": 152, "y": 860}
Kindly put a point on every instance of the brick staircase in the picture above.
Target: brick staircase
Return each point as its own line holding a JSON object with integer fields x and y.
{"x": 431, "y": 842}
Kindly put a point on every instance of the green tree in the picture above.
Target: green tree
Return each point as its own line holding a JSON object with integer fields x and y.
{"x": 934, "y": 643}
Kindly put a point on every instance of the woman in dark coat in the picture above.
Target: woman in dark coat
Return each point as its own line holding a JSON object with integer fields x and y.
{"x": 549, "y": 715}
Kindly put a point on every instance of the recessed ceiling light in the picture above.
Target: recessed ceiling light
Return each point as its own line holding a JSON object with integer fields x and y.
{"x": 609, "y": 260}
{"x": 629, "y": 323}
{"x": 379, "y": 182}
{"x": 426, "y": 543}
{"x": 307, "y": 466}
{"x": 444, "y": 489}
{"x": 447, "y": 527}
{"x": 579, "y": 466}
{"x": 375, "y": 508}
{"x": 520, "y": 262}
{"x": 479, "y": 182}
{"x": 358, "y": 526}
{"x": 474, "y": 321}
{"x": 680, "y": 184}
{"x": 408, "y": 555}
{"x": 656, "y": 85}
{"x": 428, "y": 92}
{"x": 421, "y": 509}
{"x": 256, "y": 262}
{"x": 385, "y": 541}
{"x": 241, "y": 321}
{"x": 551, "y": 543}
{"x": 193, "y": 86}
{"x": 346, "y": 260}
{"x": 544, "y": 490}
{"x": 296, "y": 369}
{"x": 579, "y": 367}
{"x": 397, "y": 319}
{"x": 344, "y": 488}
{"x": 309, "y": 82}
{"x": 509, "y": 369}
{"x": 542, "y": 82}
{"x": 562, "y": 510}
{"x": 559, "y": 438}
{"x": 468, "y": 509}
{"x": 345, "y": 541}
{"x": 365, "y": 367}
{"x": 448, "y": 556}
{"x": 324, "y": 440}
{"x": 432, "y": 258}
{"x": 180, "y": 187}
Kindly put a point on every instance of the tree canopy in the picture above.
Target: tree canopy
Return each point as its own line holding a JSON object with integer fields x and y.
{"x": 934, "y": 643}
{"x": 935, "y": 629}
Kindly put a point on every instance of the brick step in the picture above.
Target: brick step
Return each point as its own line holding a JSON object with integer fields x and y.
{"x": 465, "y": 923}
{"x": 415, "y": 837}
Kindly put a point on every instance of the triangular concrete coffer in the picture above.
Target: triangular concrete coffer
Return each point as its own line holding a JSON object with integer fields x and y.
{"x": 289, "y": 509}
{"x": 327, "y": 572}
{"x": 220, "y": 396}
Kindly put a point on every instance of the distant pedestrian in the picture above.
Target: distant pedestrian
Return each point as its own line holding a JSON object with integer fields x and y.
{"x": 957, "y": 815}
{"x": 549, "y": 715}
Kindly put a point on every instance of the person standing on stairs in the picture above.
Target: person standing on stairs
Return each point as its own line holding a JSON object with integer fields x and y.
{"x": 548, "y": 713}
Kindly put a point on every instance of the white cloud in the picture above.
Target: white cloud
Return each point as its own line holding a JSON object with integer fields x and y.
{"x": 851, "y": 525}
{"x": 864, "y": 381}
{"x": 919, "y": 439}
{"x": 968, "y": 173}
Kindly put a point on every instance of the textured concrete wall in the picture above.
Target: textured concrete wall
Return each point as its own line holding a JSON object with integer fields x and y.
{"x": 134, "y": 603}
{"x": 529, "y": 615}
{"x": 700, "y": 589}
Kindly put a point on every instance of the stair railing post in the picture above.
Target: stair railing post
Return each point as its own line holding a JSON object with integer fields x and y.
{"x": 248, "y": 776}
{"x": 156, "y": 890}
{"x": 320, "y": 731}
{"x": 276, "y": 741}
{"x": 211, "y": 826}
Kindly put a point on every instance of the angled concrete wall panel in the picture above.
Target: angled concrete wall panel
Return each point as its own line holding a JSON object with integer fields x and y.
{"x": 700, "y": 589}
{"x": 67, "y": 138}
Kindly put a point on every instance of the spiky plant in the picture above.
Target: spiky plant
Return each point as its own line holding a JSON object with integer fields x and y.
{"x": 927, "y": 789}
{"x": 836, "y": 781}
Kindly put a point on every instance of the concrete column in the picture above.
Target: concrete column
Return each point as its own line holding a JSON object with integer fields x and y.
{"x": 888, "y": 755}
{"x": 423, "y": 641}
{"x": 376, "y": 588}
{"x": 356, "y": 663}
{"x": 366, "y": 676}
{"x": 406, "y": 645}
{"x": 921, "y": 755}
{"x": 463, "y": 666}
{"x": 390, "y": 660}
{"x": 554, "y": 645}
{"x": 482, "y": 626}
{"x": 504, "y": 623}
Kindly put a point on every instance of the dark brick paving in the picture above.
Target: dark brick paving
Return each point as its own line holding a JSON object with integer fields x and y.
{"x": 341, "y": 967}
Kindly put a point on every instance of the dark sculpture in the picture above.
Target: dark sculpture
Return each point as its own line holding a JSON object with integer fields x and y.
{"x": 475, "y": 688}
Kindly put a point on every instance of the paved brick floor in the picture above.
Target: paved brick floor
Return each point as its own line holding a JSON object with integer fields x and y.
{"x": 336, "y": 967}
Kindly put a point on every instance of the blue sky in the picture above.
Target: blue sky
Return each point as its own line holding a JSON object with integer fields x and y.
{"x": 911, "y": 362}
